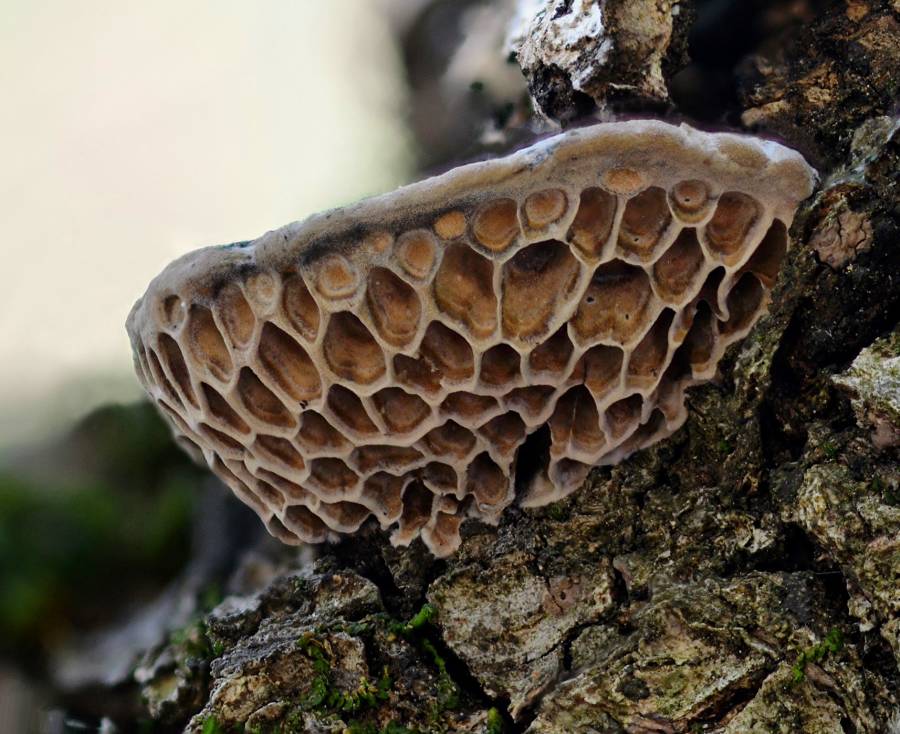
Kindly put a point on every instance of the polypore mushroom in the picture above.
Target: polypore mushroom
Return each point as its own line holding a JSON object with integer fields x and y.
{"x": 390, "y": 359}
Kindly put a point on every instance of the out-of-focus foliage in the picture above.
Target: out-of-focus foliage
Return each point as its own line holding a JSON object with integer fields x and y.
{"x": 100, "y": 517}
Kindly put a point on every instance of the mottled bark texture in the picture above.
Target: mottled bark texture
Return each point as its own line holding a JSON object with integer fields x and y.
{"x": 744, "y": 575}
{"x": 579, "y": 54}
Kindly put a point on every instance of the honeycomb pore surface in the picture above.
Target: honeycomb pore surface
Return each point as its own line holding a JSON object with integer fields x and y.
{"x": 389, "y": 361}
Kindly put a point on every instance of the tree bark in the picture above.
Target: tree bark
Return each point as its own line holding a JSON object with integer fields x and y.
{"x": 743, "y": 575}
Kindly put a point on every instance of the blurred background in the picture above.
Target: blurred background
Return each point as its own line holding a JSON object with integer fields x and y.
{"x": 133, "y": 133}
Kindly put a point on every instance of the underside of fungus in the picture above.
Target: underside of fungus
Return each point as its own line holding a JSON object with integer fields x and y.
{"x": 406, "y": 358}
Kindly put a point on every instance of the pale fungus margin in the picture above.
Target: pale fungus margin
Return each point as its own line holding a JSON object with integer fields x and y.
{"x": 390, "y": 359}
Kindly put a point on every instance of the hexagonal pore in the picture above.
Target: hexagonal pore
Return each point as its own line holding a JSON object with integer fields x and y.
{"x": 645, "y": 366}
{"x": 391, "y": 458}
{"x": 469, "y": 408}
{"x": 351, "y": 351}
{"x": 440, "y": 477}
{"x": 727, "y": 231}
{"x": 544, "y": 207}
{"x": 261, "y": 402}
{"x": 765, "y": 263}
{"x": 677, "y": 269}
{"x": 505, "y": 432}
{"x": 623, "y": 415}
{"x": 349, "y": 410}
{"x": 347, "y": 517}
{"x": 332, "y": 477}
{"x": 156, "y": 369}
{"x": 464, "y": 290}
{"x": 235, "y": 313}
{"x": 593, "y": 222}
{"x": 222, "y": 442}
{"x": 645, "y": 219}
{"x": 417, "y": 504}
{"x": 222, "y": 411}
{"x": 500, "y": 366}
{"x": 394, "y": 306}
{"x": 576, "y": 422}
{"x": 305, "y": 524}
{"x": 553, "y": 355}
{"x": 689, "y": 200}
{"x": 382, "y": 493}
{"x": 487, "y": 481}
{"x": 206, "y": 343}
{"x": 701, "y": 337}
{"x": 495, "y": 225}
{"x": 416, "y": 251}
{"x": 599, "y": 369}
{"x": 417, "y": 374}
{"x": 178, "y": 368}
{"x": 400, "y": 411}
{"x": 317, "y": 434}
{"x": 450, "y": 439}
{"x": 447, "y": 352}
{"x": 535, "y": 280}
{"x": 288, "y": 365}
{"x": 530, "y": 402}
{"x": 300, "y": 307}
{"x": 615, "y": 305}
{"x": 280, "y": 450}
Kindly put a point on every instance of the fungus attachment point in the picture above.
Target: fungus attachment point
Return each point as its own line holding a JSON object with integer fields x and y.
{"x": 483, "y": 337}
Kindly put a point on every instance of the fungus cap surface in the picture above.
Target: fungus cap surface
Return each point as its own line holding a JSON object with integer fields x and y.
{"x": 391, "y": 358}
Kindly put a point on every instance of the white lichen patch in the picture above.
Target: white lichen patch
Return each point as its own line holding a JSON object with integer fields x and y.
{"x": 567, "y": 35}
{"x": 605, "y": 49}
{"x": 392, "y": 359}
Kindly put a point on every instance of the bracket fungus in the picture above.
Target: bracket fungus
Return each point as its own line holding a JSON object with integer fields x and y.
{"x": 391, "y": 359}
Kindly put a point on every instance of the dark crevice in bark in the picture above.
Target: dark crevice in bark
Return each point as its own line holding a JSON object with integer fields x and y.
{"x": 372, "y": 566}
{"x": 463, "y": 677}
{"x": 733, "y": 701}
{"x": 619, "y": 591}
{"x": 795, "y": 552}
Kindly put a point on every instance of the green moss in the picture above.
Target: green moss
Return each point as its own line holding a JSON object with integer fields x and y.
{"x": 494, "y": 722}
{"x": 558, "y": 511}
{"x": 357, "y": 629}
{"x": 323, "y": 697}
{"x": 211, "y": 726}
{"x": 112, "y": 500}
{"x": 419, "y": 620}
{"x": 447, "y": 690}
{"x": 832, "y": 644}
{"x": 830, "y": 450}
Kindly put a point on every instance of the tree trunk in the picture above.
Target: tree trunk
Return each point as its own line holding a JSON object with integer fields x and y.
{"x": 741, "y": 576}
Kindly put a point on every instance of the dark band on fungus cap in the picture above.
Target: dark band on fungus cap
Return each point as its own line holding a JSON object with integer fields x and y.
{"x": 389, "y": 359}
